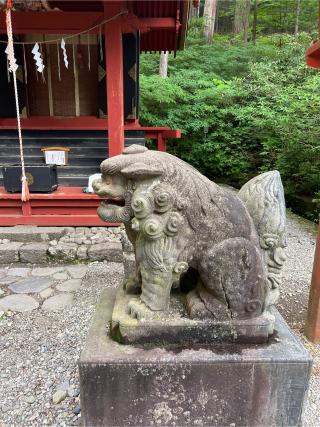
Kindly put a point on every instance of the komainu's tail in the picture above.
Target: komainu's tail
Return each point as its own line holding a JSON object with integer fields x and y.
{"x": 264, "y": 199}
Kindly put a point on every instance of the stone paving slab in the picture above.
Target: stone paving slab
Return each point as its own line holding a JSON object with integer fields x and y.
{"x": 69, "y": 285}
{"x": 31, "y": 285}
{"x": 46, "y": 293}
{"x": 46, "y": 271}
{"x": 57, "y": 302}
{"x": 61, "y": 276}
{"x": 53, "y": 284}
{"x": 19, "y": 271}
{"x": 7, "y": 280}
{"x": 77, "y": 271}
{"x": 19, "y": 303}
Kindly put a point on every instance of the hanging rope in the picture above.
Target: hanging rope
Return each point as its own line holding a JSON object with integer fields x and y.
{"x": 25, "y": 196}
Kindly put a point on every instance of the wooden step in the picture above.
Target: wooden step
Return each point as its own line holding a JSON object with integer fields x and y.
{"x": 87, "y": 150}
{"x": 75, "y": 159}
{"x": 57, "y": 134}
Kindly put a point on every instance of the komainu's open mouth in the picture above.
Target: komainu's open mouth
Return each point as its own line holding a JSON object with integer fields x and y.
{"x": 113, "y": 202}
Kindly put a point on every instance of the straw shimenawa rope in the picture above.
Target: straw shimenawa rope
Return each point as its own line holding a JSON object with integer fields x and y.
{"x": 25, "y": 195}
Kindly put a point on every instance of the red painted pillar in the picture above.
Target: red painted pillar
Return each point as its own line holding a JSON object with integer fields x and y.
{"x": 312, "y": 329}
{"x": 162, "y": 143}
{"x": 114, "y": 77}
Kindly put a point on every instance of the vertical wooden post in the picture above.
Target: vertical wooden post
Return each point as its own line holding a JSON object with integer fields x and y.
{"x": 162, "y": 143}
{"x": 114, "y": 77}
{"x": 312, "y": 328}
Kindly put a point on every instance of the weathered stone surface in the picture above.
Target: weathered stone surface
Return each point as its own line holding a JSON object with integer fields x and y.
{"x": 31, "y": 233}
{"x": 9, "y": 252}
{"x": 31, "y": 285}
{"x": 35, "y": 253}
{"x": 30, "y": 399}
{"x": 46, "y": 271}
{"x": 129, "y": 263}
{"x": 77, "y": 271}
{"x": 270, "y": 221}
{"x": 46, "y": 293}
{"x": 19, "y": 303}
{"x": 175, "y": 327}
{"x": 59, "y": 396}
{"x": 181, "y": 224}
{"x": 63, "y": 275}
{"x": 19, "y": 271}
{"x": 65, "y": 251}
{"x": 2, "y": 273}
{"x": 69, "y": 285}
{"x": 219, "y": 385}
{"x": 82, "y": 251}
{"x": 7, "y": 280}
{"x": 126, "y": 244}
{"x": 111, "y": 252}
{"x": 58, "y": 302}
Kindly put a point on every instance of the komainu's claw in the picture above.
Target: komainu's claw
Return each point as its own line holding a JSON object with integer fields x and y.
{"x": 138, "y": 310}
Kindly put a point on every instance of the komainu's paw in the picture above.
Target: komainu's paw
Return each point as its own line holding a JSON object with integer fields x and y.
{"x": 195, "y": 306}
{"x": 132, "y": 286}
{"x": 138, "y": 310}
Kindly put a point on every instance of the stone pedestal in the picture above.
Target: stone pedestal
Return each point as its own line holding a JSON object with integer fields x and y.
{"x": 175, "y": 327}
{"x": 217, "y": 385}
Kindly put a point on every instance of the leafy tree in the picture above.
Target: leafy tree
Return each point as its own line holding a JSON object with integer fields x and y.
{"x": 243, "y": 108}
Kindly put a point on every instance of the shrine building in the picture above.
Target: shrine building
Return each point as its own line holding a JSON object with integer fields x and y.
{"x": 85, "y": 102}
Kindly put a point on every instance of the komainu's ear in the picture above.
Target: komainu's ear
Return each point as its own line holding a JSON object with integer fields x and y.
{"x": 135, "y": 149}
{"x": 141, "y": 171}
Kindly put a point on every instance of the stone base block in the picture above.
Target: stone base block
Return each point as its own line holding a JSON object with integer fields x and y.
{"x": 175, "y": 326}
{"x": 205, "y": 385}
{"x": 9, "y": 252}
{"x": 31, "y": 233}
{"x": 111, "y": 252}
{"x": 34, "y": 253}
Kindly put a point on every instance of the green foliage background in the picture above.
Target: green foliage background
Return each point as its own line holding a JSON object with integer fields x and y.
{"x": 242, "y": 108}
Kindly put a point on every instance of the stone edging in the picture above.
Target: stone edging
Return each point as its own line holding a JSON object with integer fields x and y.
{"x": 68, "y": 245}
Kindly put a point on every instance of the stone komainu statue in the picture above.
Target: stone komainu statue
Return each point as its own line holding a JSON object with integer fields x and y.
{"x": 180, "y": 222}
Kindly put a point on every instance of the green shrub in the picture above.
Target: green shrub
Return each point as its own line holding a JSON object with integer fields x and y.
{"x": 242, "y": 109}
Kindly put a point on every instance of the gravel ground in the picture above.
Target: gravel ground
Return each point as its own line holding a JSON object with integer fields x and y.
{"x": 39, "y": 354}
{"x": 293, "y": 304}
{"x": 39, "y": 350}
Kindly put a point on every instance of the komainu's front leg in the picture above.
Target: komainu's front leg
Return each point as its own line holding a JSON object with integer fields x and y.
{"x": 155, "y": 293}
{"x": 156, "y": 287}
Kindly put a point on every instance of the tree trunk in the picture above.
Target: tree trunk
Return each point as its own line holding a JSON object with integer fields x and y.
{"x": 241, "y": 17}
{"x": 195, "y": 12}
{"x": 254, "y": 24}
{"x": 163, "y": 67}
{"x": 296, "y": 27}
{"x": 209, "y": 16}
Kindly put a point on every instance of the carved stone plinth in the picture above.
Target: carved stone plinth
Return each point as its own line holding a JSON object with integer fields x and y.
{"x": 207, "y": 385}
{"x": 175, "y": 327}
